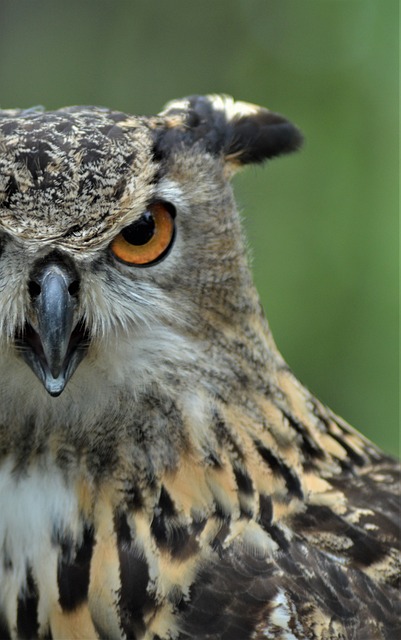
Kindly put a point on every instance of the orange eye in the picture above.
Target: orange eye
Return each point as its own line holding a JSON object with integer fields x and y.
{"x": 147, "y": 240}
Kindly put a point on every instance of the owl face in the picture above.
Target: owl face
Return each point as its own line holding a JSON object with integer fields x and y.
{"x": 120, "y": 244}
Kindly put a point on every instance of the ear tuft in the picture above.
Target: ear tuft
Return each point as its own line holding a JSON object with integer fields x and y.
{"x": 243, "y": 133}
{"x": 261, "y": 136}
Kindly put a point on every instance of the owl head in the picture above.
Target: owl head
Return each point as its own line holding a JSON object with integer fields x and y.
{"x": 120, "y": 244}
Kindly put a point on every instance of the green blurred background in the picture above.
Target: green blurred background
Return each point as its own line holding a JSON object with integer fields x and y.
{"x": 323, "y": 224}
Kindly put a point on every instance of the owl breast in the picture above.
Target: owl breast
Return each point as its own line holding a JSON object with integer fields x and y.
{"x": 42, "y": 513}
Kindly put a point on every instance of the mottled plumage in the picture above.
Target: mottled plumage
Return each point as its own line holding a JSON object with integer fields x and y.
{"x": 163, "y": 474}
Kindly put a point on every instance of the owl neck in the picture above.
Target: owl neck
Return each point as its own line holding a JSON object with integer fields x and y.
{"x": 208, "y": 417}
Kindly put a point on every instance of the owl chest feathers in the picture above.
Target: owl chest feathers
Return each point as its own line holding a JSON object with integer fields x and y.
{"x": 43, "y": 511}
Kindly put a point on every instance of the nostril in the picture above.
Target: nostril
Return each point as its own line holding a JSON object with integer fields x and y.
{"x": 73, "y": 288}
{"x": 34, "y": 289}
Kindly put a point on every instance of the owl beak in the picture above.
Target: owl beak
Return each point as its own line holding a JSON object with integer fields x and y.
{"x": 54, "y": 308}
{"x": 54, "y": 347}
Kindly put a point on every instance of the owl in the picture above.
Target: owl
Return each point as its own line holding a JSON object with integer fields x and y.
{"x": 163, "y": 473}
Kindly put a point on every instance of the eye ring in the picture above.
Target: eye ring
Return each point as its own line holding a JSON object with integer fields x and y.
{"x": 148, "y": 240}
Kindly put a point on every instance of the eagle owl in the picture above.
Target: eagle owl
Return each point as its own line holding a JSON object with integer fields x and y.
{"x": 163, "y": 474}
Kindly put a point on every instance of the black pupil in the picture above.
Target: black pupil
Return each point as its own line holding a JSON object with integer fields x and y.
{"x": 141, "y": 231}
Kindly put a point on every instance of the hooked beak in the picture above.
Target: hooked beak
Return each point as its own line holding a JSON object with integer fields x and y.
{"x": 54, "y": 347}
